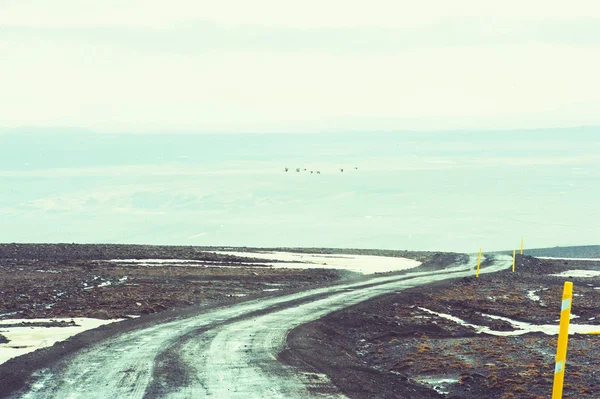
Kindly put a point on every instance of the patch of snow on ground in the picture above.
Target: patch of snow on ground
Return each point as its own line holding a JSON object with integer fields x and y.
{"x": 181, "y": 262}
{"x": 578, "y": 273}
{"x": 583, "y": 259}
{"x": 571, "y": 317}
{"x": 519, "y": 326}
{"x": 365, "y": 264}
{"x": 532, "y": 295}
{"x": 154, "y": 261}
{"x": 26, "y": 339}
{"x": 440, "y": 385}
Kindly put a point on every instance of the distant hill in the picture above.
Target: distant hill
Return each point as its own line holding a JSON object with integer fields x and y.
{"x": 587, "y": 251}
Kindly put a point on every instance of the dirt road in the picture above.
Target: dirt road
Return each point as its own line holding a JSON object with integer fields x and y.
{"x": 227, "y": 352}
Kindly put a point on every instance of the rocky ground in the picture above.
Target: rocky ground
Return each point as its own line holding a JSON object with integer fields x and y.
{"x": 392, "y": 348}
{"x": 71, "y": 280}
{"x": 81, "y": 280}
{"x": 45, "y": 281}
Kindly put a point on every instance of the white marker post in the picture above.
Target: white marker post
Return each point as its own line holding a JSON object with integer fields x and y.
{"x": 563, "y": 340}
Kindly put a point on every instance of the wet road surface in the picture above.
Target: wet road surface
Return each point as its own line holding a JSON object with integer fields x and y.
{"x": 228, "y": 352}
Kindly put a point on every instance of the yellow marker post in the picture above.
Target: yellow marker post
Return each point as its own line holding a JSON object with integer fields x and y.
{"x": 478, "y": 264}
{"x": 514, "y": 256}
{"x": 522, "y": 242}
{"x": 563, "y": 339}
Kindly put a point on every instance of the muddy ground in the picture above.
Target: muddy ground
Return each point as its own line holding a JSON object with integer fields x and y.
{"x": 385, "y": 348}
{"x": 390, "y": 348}
{"x": 71, "y": 280}
{"x": 43, "y": 281}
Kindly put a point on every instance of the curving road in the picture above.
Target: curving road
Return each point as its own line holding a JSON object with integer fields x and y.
{"x": 228, "y": 352}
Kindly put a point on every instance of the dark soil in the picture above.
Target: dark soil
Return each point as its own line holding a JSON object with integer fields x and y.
{"x": 390, "y": 348}
{"x": 77, "y": 280}
{"x": 384, "y": 348}
{"x": 43, "y": 281}
{"x": 65, "y": 280}
{"x": 62, "y": 252}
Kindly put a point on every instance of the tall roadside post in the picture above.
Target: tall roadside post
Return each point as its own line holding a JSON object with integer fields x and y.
{"x": 478, "y": 264}
{"x": 563, "y": 339}
{"x": 522, "y": 243}
{"x": 514, "y": 258}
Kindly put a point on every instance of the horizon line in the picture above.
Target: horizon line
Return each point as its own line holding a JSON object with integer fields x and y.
{"x": 72, "y": 130}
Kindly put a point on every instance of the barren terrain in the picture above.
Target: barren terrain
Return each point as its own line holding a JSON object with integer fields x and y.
{"x": 439, "y": 333}
{"x": 395, "y": 341}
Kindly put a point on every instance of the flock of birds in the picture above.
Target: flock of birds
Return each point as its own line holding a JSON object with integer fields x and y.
{"x": 313, "y": 171}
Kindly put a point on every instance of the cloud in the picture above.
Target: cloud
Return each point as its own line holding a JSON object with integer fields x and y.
{"x": 200, "y": 37}
{"x": 307, "y": 66}
{"x": 307, "y": 14}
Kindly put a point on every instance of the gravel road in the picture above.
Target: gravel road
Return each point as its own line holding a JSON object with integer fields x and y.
{"x": 227, "y": 352}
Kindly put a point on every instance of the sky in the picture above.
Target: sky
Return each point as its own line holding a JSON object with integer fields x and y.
{"x": 306, "y": 66}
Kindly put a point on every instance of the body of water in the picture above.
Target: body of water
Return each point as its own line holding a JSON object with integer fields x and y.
{"x": 455, "y": 191}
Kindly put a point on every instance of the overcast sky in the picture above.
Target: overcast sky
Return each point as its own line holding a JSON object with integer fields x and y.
{"x": 310, "y": 65}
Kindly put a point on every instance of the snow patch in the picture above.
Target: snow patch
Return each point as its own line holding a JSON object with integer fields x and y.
{"x": 157, "y": 261}
{"x": 532, "y": 295}
{"x": 519, "y": 326}
{"x": 583, "y": 259}
{"x": 27, "y": 339}
{"x": 365, "y": 264}
{"x": 578, "y": 273}
{"x": 440, "y": 385}
{"x": 182, "y": 262}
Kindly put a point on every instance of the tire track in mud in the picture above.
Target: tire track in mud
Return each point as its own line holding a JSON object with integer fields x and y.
{"x": 226, "y": 352}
